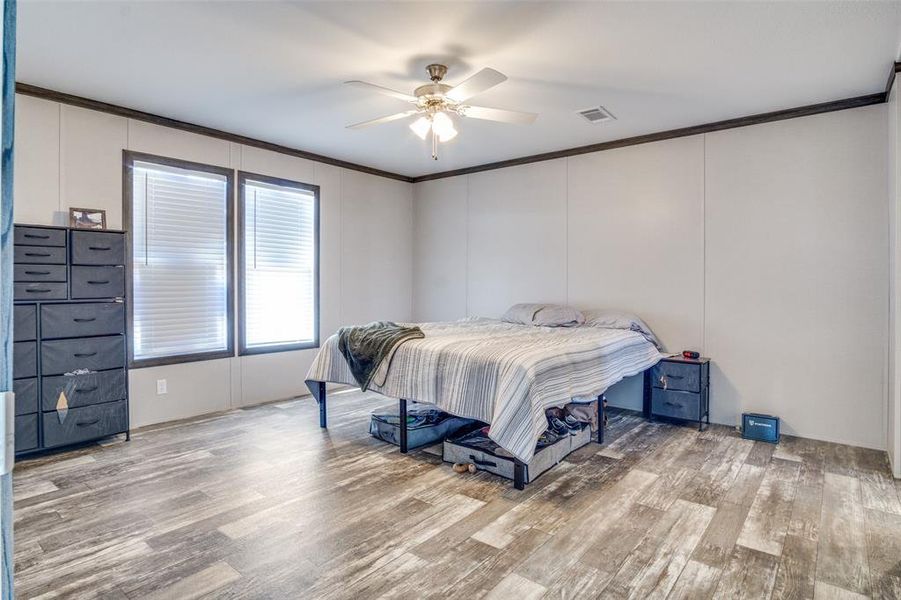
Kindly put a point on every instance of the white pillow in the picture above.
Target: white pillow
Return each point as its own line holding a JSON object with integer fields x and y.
{"x": 546, "y": 315}
{"x": 558, "y": 315}
{"x": 521, "y": 313}
{"x": 618, "y": 319}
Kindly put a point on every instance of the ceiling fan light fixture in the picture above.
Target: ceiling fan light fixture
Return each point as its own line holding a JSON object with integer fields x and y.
{"x": 435, "y": 102}
{"x": 421, "y": 127}
{"x": 443, "y": 127}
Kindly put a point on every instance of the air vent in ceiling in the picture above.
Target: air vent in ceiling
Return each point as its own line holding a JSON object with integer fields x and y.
{"x": 596, "y": 114}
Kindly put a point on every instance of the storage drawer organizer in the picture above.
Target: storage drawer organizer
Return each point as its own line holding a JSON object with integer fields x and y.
{"x": 69, "y": 353}
{"x": 476, "y": 448}
{"x": 426, "y": 425}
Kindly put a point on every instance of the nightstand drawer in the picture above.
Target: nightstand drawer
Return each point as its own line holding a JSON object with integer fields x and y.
{"x": 679, "y": 405}
{"x": 683, "y": 377}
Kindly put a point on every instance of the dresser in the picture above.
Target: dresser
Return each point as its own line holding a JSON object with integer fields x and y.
{"x": 679, "y": 388}
{"x": 69, "y": 336}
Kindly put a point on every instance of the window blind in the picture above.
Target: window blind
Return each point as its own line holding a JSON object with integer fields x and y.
{"x": 179, "y": 261}
{"x": 279, "y": 270}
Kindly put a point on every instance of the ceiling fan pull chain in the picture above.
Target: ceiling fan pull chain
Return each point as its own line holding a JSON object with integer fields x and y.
{"x": 434, "y": 146}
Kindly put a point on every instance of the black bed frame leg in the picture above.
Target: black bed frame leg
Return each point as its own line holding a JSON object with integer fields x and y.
{"x": 402, "y": 413}
{"x": 519, "y": 474}
{"x": 323, "y": 410}
{"x": 602, "y": 418}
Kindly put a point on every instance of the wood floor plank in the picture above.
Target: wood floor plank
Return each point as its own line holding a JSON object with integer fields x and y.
{"x": 199, "y": 584}
{"x": 697, "y": 581}
{"x": 569, "y": 544}
{"x": 796, "y": 575}
{"x": 744, "y": 489}
{"x": 516, "y": 586}
{"x": 878, "y": 492}
{"x": 842, "y": 554}
{"x": 715, "y": 546}
{"x": 831, "y": 592}
{"x": 770, "y": 513}
{"x": 651, "y": 570}
{"x": 884, "y": 553}
{"x": 749, "y": 574}
{"x": 714, "y": 478}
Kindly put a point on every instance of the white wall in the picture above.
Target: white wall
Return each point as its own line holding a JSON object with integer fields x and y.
{"x": 893, "y": 420}
{"x": 764, "y": 247}
{"x": 67, "y": 156}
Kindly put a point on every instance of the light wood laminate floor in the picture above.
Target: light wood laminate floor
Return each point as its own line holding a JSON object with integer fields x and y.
{"x": 261, "y": 503}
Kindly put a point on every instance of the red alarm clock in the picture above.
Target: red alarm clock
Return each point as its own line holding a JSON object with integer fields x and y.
{"x": 691, "y": 354}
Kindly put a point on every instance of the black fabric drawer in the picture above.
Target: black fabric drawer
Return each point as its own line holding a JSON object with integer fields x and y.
{"x": 86, "y": 423}
{"x": 84, "y": 390}
{"x": 39, "y": 273}
{"x": 26, "y": 433}
{"x": 24, "y": 323}
{"x": 676, "y": 376}
{"x": 39, "y": 255}
{"x": 98, "y": 282}
{"x": 39, "y": 236}
{"x": 26, "y": 391}
{"x": 40, "y": 291}
{"x": 95, "y": 248}
{"x": 681, "y": 405}
{"x": 25, "y": 359}
{"x": 82, "y": 320}
{"x": 96, "y": 354}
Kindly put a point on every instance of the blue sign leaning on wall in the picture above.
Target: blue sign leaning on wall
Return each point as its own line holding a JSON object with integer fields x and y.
{"x": 755, "y": 426}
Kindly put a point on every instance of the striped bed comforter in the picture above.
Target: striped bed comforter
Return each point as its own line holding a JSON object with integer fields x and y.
{"x": 500, "y": 373}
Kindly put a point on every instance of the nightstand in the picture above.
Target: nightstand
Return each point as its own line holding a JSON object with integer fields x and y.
{"x": 679, "y": 388}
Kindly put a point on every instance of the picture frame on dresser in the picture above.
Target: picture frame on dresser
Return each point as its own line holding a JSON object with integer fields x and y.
{"x": 70, "y": 366}
{"x": 87, "y": 218}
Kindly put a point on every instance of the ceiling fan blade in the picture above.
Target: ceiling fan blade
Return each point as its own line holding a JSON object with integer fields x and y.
{"x": 382, "y": 90}
{"x": 478, "y": 83}
{"x": 499, "y": 114}
{"x": 380, "y": 120}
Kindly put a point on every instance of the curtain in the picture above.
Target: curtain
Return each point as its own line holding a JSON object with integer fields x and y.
{"x": 7, "y": 107}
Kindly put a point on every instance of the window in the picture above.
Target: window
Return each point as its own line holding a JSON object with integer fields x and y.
{"x": 179, "y": 218}
{"x": 278, "y": 264}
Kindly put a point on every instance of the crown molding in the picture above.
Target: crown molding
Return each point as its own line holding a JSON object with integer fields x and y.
{"x": 769, "y": 117}
{"x": 130, "y": 113}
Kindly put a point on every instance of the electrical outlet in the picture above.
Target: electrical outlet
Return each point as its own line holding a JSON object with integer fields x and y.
{"x": 161, "y": 387}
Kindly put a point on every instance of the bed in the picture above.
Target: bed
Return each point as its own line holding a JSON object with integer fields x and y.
{"x": 501, "y": 373}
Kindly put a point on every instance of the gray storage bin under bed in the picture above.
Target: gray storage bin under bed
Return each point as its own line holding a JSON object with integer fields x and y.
{"x": 488, "y": 456}
{"x": 426, "y": 425}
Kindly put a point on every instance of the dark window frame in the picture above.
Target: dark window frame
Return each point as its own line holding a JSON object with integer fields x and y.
{"x": 128, "y": 159}
{"x": 243, "y": 350}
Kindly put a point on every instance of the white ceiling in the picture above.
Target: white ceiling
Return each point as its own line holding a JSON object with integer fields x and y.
{"x": 274, "y": 70}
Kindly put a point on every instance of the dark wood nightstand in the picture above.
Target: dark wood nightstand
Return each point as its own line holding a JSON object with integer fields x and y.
{"x": 679, "y": 388}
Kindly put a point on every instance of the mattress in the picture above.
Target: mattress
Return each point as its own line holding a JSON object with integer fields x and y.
{"x": 500, "y": 373}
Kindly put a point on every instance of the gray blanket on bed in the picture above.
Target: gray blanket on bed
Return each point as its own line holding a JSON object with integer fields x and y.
{"x": 364, "y": 347}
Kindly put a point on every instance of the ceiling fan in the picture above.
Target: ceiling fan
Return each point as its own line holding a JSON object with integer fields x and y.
{"x": 435, "y": 101}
